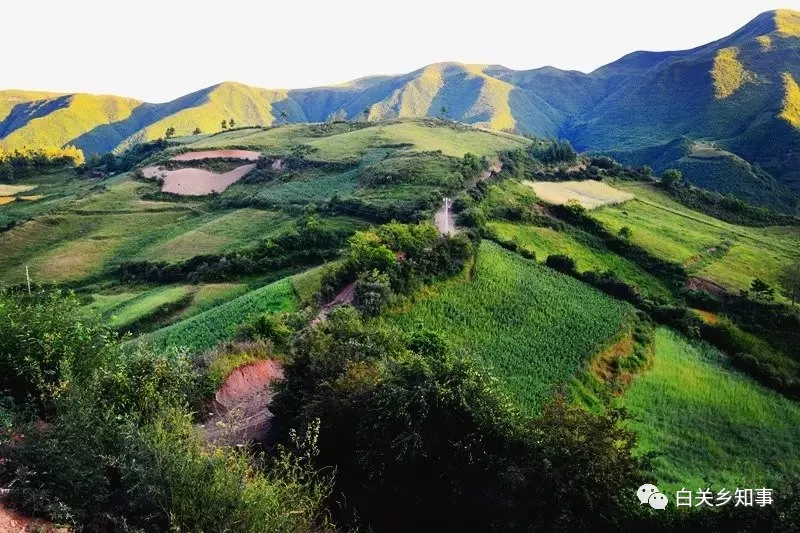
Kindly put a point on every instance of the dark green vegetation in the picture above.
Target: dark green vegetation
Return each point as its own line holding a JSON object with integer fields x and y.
{"x": 739, "y": 93}
{"x": 469, "y": 376}
{"x": 124, "y": 424}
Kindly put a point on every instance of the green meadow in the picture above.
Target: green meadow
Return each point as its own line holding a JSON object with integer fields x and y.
{"x": 710, "y": 425}
{"x": 725, "y": 253}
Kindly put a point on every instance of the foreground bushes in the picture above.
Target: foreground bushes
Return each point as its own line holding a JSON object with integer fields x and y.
{"x": 117, "y": 449}
{"x": 423, "y": 439}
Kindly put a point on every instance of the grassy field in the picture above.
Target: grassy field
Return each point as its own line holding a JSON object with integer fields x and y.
{"x": 588, "y": 254}
{"x": 55, "y": 188}
{"x": 534, "y": 327}
{"x": 339, "y": 142}
{"x": 219, "y": 323}
{"x": 709, "y": 424}
{"x": 147, "y": 303}
{"x": 223, "y": 233}
{"x": 676, "y": 233}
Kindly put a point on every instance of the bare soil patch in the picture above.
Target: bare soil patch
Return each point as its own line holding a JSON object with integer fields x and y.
{"x": 247, "y": 155}
{"x": 241, "y": 406}
{"x": 700, "y": 284}
{"x": 13, "y": 522}
{"x": 195, "y": 181}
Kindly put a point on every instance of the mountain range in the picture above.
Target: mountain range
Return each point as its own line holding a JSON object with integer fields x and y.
{"x": 733, "y": 104}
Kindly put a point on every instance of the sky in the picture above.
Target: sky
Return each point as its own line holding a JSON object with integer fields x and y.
{"x": 159, "y": 50}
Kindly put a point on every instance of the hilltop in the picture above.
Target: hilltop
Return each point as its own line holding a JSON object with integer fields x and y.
{"x": 739, "y": 92}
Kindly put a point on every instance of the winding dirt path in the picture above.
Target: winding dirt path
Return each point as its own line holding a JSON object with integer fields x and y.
{"x": 444, "y": 218}
{"x": 345, "y": 297}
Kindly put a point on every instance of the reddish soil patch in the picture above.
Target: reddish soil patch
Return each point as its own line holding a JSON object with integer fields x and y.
{"x": 195, "y": 181}
{"x": 345, "y": 296}
{"x": 241, "y": 405}
{"x": 12, "y": 522}
{"x": 248, "y": 155}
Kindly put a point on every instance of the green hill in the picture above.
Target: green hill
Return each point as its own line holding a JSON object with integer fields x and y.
{"x": 739, "y": 92}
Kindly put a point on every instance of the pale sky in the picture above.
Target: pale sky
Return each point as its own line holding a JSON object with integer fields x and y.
{"x": 157, "y": 50}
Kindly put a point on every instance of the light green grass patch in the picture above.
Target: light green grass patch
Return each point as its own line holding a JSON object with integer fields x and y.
{"x": 235, "y": 229}
{"x": 675, "y": 233}
{"x": 547, "y": 241}
{"x": 147, "y": 303}
{"x": 710, "y": 425}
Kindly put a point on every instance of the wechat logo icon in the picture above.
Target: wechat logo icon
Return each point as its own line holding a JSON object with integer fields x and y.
{"x": 651, "y": 495}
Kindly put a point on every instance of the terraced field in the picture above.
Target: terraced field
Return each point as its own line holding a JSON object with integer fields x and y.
{"x": 338, "y": 142}
{"x": 534, "y": 327}
{"x": 725, "y": 253}
{"x": 206, "y": 329}
{"x": 587, "y": 253}
{"x": 710, "y": 425}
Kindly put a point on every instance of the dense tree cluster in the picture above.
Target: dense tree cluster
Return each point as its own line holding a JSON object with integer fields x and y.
{"x": 21, "y": 162}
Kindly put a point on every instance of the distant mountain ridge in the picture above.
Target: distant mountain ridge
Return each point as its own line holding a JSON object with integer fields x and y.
{"x": 740, "y": 92}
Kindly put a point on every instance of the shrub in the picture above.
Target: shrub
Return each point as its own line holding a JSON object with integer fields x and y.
{"x": 47, "y": 340}
{"x": 560, "y": 262}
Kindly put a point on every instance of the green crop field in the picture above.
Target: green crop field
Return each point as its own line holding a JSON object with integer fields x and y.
{"x": 534, "y": 327}
{"x": 147, "y": 303}
{"x": 204, "y": 330}
{"x": 588, "y": 254}
{"x": 676, "y": 233}
{"x": 709, "y": 424}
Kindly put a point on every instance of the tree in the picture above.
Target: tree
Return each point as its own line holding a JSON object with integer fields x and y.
{"x": 671, "y": 178}
{"x": 443, "y": 112}
{"x": 625, "y": 232}
{"x": 284, "y": 117}
{"x": 232, "y": 122}
{"x": 224, "y": 124}
{"x": 170, "y": 132}
{"x": 366, "y": 114}
{"x": 6, "y": 172}
{"x": 762, "y": 290}
{"x": 197, "y": 131}
{"x": 790, "y": 281}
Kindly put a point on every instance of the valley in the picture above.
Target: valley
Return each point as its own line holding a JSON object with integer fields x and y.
{"x": 467, "y": 298}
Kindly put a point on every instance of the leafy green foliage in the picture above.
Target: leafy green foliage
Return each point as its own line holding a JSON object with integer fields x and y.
{"x": 120, "y": 451}
{"x": 423, "y": 438}
{"x": 46, "y": 343}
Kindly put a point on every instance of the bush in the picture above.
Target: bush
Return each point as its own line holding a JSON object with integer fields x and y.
{"x": 560, "y": 262}
{"x": 372, "y": 293}
{"x": 472, "y": 217}
{"x": 47, "y": 341}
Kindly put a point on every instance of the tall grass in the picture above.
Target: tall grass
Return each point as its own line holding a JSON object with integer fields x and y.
{"x": 709, "y": 424}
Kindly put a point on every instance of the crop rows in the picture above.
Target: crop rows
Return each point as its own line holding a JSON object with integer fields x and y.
{"x": 219, "y": 323}
{"x": 534, "y": 327}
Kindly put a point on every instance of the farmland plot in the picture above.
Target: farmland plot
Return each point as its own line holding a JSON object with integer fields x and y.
{"x": 533, "y": 327}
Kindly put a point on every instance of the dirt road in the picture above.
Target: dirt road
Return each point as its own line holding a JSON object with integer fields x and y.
{"x": 444, "y": 218}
